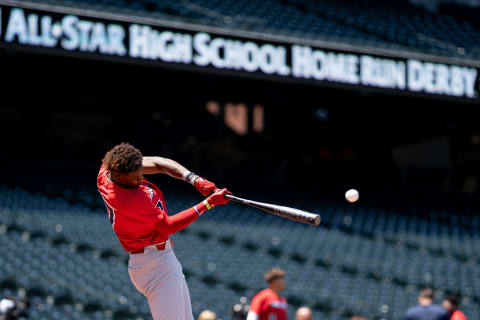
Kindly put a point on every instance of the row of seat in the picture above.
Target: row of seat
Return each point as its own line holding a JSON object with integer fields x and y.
{"x": 386, "y": 24}
{"x": 228, "y": 250}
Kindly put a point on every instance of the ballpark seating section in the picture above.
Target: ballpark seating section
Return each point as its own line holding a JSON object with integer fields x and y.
{"x": 452, "y": 30}
{"x": 63, "y": 256}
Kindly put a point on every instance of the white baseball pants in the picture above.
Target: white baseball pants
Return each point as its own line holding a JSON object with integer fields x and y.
{"x": 158, "y": 275}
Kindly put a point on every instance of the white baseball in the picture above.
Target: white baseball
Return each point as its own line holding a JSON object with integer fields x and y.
{"x": 352, "y": 195}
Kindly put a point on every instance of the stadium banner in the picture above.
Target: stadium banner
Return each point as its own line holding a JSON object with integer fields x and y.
{"x": 92, "y": 37}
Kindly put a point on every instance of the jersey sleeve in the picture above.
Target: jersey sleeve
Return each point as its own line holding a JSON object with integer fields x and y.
{"x": 257, "y": 304}
{"x": 103, "y": 185}
{"x": 173, "y": 224}
{"x": 180, "y": 220}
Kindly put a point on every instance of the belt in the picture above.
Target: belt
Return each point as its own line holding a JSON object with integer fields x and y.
{"x": 158, "y": 246}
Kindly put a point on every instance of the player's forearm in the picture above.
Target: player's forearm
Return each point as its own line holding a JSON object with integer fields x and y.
{"x": 153, "y": 165}
{"x": 174, "y": 169}
{"x": 181, "y": 220}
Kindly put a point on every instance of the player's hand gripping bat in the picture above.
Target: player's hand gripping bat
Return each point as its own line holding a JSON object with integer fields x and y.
{"x": 285, "y": 212}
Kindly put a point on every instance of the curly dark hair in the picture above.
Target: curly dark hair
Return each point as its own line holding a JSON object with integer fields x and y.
{"x": 123, "y": 158}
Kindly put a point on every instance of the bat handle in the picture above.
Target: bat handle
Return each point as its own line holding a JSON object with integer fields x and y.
{"x": 236, "y": 199}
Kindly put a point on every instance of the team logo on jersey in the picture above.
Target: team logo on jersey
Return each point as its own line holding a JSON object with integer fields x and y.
{"x": 150, "y": 193}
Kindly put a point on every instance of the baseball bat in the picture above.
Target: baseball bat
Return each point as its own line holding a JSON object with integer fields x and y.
{"x": 282, "y": 211}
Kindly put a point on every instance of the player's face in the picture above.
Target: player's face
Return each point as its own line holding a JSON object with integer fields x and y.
{"x": 132, "y": 179}
{"x": 279, "y": 284}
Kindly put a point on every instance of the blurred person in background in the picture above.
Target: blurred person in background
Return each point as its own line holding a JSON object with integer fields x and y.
{"x": 13, "y": 309}
{"x": 207, "y": 315}
{"x": 358, "y": 317}
{"x": 304, "y": 313}
{"x": 240, "y": 310}
{"x": 450, "y": 304}
{"x": 426, "y": 310}
{"x": 268, "y": 304}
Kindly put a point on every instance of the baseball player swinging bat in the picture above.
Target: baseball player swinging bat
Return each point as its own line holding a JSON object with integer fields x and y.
{"x": 138, "y": 213}
{"x": 282, "y": 211}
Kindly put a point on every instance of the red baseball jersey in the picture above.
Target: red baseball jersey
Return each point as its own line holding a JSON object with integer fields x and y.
{"x": 139, "y": 215}
{"x": 268, "y": 305}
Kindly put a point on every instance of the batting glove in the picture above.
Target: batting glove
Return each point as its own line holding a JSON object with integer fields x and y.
{"x": 217, "y": 198}
{"x": 205, "y": 187}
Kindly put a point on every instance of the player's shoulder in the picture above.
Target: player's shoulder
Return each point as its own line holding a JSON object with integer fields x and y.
{"x": 439, "y": 309}
{"x": 432, "y": 309}
{"x": 266, "y": 294}
{"x": 261, "y": 294}
{"x": 458, "y": 315}
{"x": 260, "y": 301}
{"x": 413, "y": 310}
{"x": 102, "y": 177}
{"x": 102, "y": 170}
{"x": 134, "y": 199}
{"x": 128, "y": 197}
